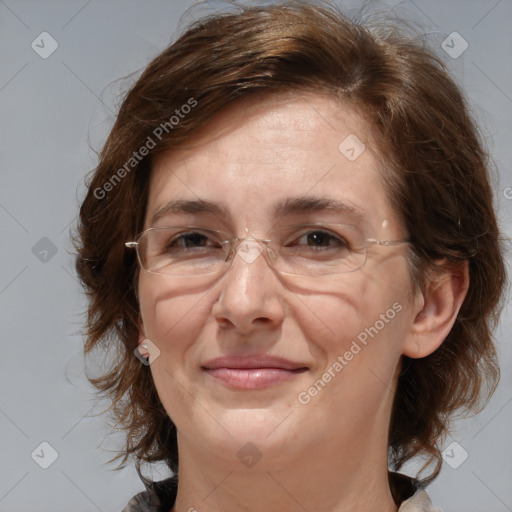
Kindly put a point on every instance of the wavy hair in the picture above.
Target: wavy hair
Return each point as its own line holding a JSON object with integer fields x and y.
{"x": 438, "y": 178}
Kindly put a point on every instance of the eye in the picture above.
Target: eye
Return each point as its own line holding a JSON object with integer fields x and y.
{"x": 191, "y": 240}
{"x": 188, "y": 240}
{"x": 321, "y": 239}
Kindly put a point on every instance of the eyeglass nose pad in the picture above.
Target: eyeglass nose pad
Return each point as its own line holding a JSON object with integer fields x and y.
{"x": 249, "y": 250}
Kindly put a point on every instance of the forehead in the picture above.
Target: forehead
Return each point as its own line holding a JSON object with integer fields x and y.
{"x": 260, "y": 152}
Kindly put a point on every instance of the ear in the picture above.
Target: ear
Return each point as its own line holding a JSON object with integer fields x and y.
{"x": 437, "y": 308}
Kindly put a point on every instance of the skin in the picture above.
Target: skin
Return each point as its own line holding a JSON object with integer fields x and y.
{"x": 329, "y": 455}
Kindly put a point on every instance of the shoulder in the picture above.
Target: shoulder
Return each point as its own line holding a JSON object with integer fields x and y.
{"x": 409, "y": 495}
{"x": 418, "y": 502}
{"x": 158, "y": 497}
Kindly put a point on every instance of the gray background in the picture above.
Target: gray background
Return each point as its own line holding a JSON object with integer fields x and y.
{"x": 54, "y": 113}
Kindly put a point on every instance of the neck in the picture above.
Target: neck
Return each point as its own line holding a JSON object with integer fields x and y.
{"x": 326, "y": 478}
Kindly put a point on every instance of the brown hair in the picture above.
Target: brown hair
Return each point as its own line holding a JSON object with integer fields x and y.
{"x": 438, "y": 180}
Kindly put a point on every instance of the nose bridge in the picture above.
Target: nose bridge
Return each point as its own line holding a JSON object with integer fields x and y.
{"x": 249, "y": 291}
{"x": 250, "y": 256}
{"x": 249, "y": 249}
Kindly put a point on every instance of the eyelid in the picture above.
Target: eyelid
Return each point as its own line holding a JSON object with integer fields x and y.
{"x": 315, "y": 224}
{"x": 212, "y": 235}
{"x": 187, "y": 229}
{"x": 320, "y": 226}
{"x": 226, "y": 236}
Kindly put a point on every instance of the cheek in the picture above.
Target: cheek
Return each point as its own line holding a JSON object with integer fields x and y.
{"x": 359, "y": 368}
{"x": 331, "y": 318}
{"x": 363, "y": 322}
{"x": 173, "y": 321}
{"x": 171, "y": 318}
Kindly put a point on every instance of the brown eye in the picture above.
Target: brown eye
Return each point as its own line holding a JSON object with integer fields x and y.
{"x": 188, "y": 240}
{"x": 320, "y": 239}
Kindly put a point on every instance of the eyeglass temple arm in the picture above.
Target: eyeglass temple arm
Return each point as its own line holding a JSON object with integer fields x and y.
{"x": 387, "y": 242}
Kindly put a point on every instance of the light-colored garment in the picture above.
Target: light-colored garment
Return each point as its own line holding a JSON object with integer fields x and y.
{"x": 419, "y": 502}
{"x": 160, "y": 497}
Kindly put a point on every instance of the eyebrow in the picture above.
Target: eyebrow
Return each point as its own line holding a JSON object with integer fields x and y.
{"x": 308, "y": 204}
{"x": 289, "y": 206}
{"x": 181, "y": 206}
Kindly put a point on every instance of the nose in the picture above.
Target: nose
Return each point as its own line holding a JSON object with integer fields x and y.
{"x": 251, "y": 296}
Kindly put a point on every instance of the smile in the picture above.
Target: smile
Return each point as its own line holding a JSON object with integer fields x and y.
{"x": 253, "y": 378}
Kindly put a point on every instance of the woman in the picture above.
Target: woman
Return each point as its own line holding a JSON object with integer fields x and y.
{"x": 291, "y": 226}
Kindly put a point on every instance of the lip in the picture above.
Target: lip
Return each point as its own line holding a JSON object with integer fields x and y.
{"x": 253, "y": 372}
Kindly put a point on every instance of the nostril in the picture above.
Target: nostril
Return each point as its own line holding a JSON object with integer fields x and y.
{"x": 262, "y": 320}
{"x": 224, "y": 323}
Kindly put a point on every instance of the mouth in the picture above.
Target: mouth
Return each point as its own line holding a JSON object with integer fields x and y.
{"x": 254, "y": 372}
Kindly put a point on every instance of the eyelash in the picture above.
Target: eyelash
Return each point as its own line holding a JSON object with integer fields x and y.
{"x": 338, "y": 238}
{"x": 175, "y": 242}
{"x": 184, "y": 236}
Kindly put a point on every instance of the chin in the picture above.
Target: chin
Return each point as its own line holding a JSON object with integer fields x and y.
{"x": 252, "y": 449}
{"x": 242, "y": 433}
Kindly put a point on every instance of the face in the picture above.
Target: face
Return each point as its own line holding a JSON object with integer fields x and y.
{"x": 320, "y": 354}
